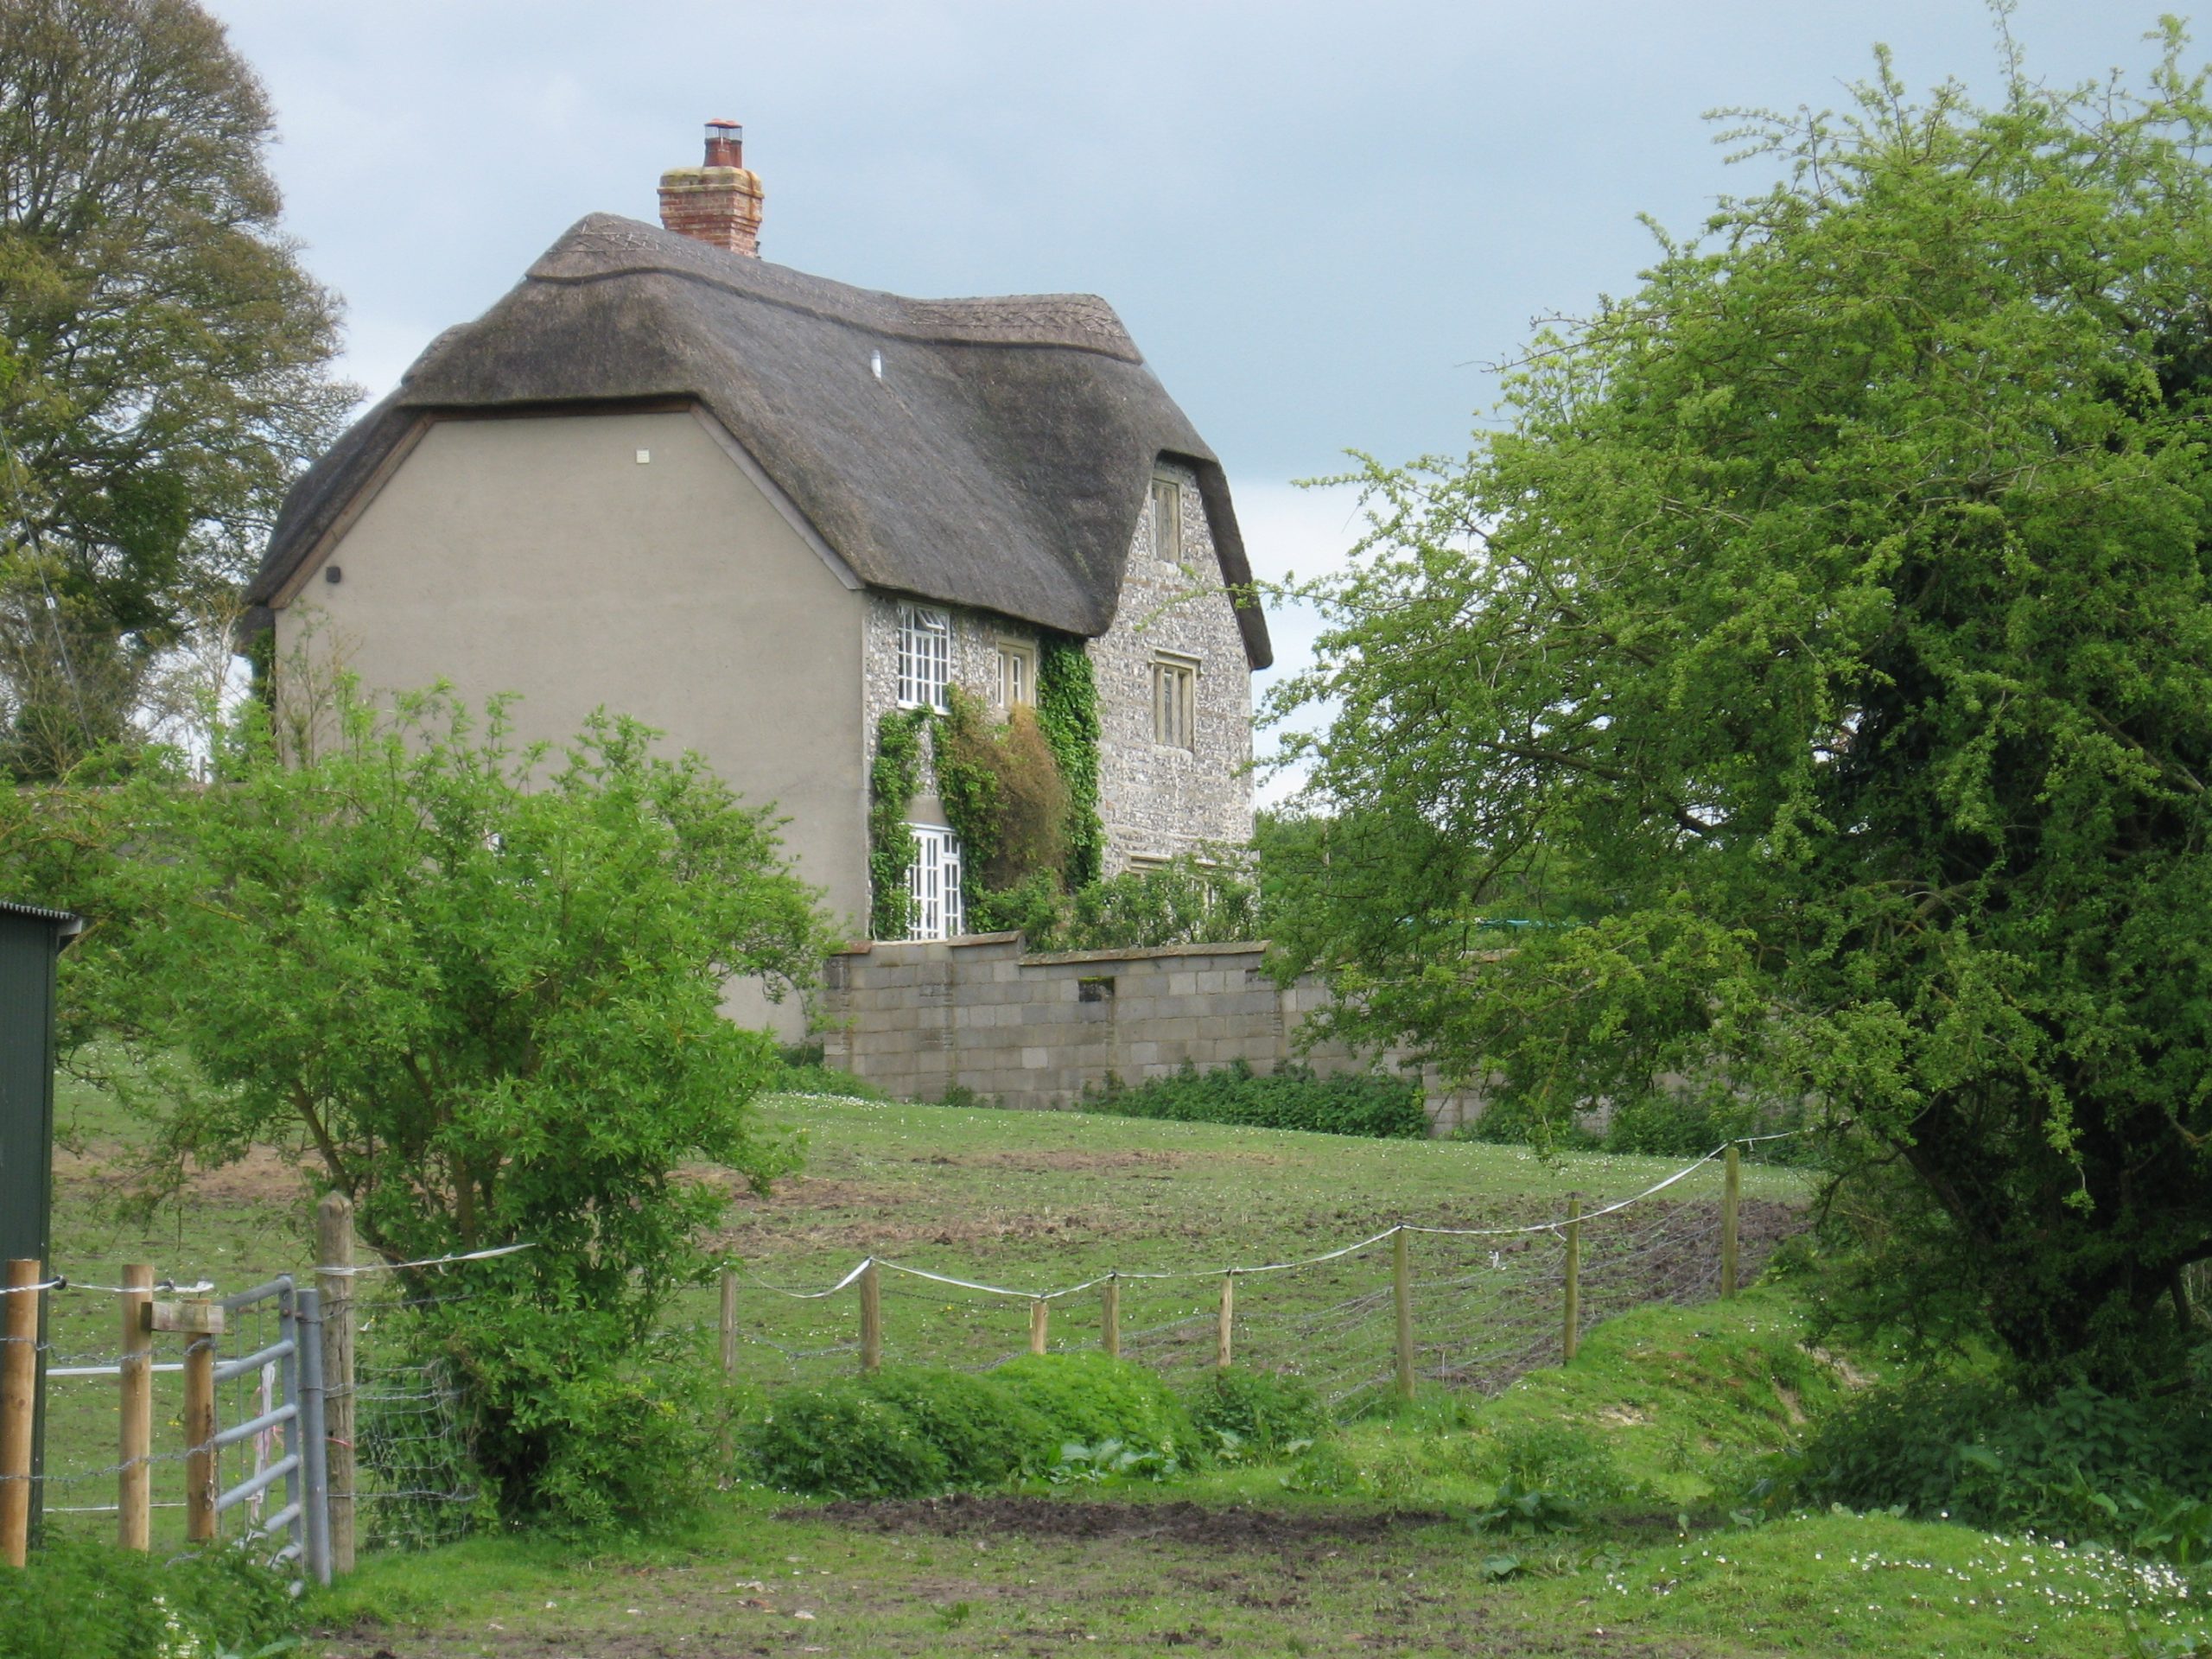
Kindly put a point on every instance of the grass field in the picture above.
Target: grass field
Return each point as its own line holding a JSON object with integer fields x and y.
{"x": 1233, "y": 1562}
{"x": 1374, "y": 1553}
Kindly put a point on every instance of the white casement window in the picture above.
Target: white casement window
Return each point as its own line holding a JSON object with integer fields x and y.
{"x": 1166, "y": 521}
{"x": 933, "y": 881}
{"x": 1017, "y": 675}
{"x": 1174, "y": 702}
{"x": 925, "y": 657}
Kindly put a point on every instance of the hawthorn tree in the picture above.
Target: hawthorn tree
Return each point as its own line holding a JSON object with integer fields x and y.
{"x": 1820, "y": 657}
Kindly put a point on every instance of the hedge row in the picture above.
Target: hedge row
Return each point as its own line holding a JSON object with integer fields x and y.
{"x": 1366, "y": 1104}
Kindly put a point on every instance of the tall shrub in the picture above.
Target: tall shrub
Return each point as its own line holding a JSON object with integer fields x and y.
{"x": 480, "y": 982}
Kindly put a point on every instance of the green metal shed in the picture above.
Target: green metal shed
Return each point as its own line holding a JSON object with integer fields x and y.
{"x": 30, "y": 941}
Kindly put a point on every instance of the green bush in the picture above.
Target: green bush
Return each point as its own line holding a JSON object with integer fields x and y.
{"x": 799, "y": 1071}
{"x": 572, "y": 1439}
{"x": 1089, "y": 1398}
{"x": 1266, "y": 1411}
{"x": 1513, "y": 1122}
{"x": 1558, "y": 1459}
{"x": 2083, "y": 1464}
{"x": 1662, "y": 1124}
{"x": 1033, "y": 907}
{"x": 77, "y": 1599}
{"x": 1188, "y": 901}
{"x": 985, "y": 1433}
{"x": 1366, "y": 1104}
{"x": 840, "y": 1441}
{"x": 904, "y": 1433}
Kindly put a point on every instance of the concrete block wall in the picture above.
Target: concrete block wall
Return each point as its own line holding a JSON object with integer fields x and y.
{"x": 916, "y": 1018}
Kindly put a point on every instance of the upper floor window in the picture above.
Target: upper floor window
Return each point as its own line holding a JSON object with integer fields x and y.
{"x": 1174, "y": 702}
{"x": 933, "y": 883}
{"x": 1017, "y": 674}
{"x": 1166, "y": 521}
{"x": 925, "y": 657}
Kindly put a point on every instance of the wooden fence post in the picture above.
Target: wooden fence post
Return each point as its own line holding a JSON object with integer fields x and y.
{"x": 199, "y": 1487}
{"x": 727, "y": 1438}
{"x": 729, "y": 1324}
{"x": 1731, "y": 1196}
{"x": 333, "y": 1230}
{"x": 1225, "y": 1332}
{"x": 1571, "y": 1334}
{"x": 18, "y": 1402}
{"x": 1110, "y": 1316}
{"x": 1402, "y": 1292}
{"x": 1040, "y": 1312}
{"x": 134, "y": 1479}
{"x": 871, "y": 1319}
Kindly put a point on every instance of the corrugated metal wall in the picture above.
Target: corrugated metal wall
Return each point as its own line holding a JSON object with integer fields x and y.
{"x": 28, "y": 946}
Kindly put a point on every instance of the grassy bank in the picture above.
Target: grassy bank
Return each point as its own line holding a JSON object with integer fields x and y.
{"x": 1242, "y": 1560}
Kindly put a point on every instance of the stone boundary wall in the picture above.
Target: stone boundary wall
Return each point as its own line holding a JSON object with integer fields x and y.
{"x": 915, "y": 1019}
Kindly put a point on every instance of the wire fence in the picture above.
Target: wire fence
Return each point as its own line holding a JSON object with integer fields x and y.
{"x": 1464, "y": 1306}
{"x": 414, "y": 1483}
{"x": 1467, "y": 1306}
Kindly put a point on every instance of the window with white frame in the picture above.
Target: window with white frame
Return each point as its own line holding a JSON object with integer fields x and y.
{"x": 1017, "y": 674}
{"x": 1174, "y": 702}
{"x": 933, "y": 882}
{"x": 925, "y": 657}
{"x": 1166, "y": 521}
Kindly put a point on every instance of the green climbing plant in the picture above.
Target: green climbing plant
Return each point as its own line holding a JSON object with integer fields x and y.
{"x": 894, "y": 779}
{"x": 1067, "y": 713}
{"x": 968, "y": 784}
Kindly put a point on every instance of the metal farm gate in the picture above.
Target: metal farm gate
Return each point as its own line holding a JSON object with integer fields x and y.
{"x": 291, "y": 1369}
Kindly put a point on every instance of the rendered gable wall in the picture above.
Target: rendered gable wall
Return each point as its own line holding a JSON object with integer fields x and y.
{"x": 538, "y": 555}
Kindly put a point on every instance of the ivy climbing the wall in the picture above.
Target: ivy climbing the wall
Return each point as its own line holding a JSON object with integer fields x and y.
{"x": 1021, "y": 794}
{"x": 893, "y": 780}
{"x": 1067, "y": 714}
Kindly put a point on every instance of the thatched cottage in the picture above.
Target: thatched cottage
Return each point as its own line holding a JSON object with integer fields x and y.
{"x": 759, "y": 509}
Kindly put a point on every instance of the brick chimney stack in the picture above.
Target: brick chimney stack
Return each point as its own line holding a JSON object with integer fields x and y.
{"x": 718, "y": 202}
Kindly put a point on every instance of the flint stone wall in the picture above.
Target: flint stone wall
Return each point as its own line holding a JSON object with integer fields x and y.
{"x": 915, "y": 1019}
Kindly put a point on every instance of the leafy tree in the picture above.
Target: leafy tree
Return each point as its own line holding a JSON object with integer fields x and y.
{"x": 479, "y": 987}
{"x": 164, "y": 360}
{"x": 1821, "y": 660}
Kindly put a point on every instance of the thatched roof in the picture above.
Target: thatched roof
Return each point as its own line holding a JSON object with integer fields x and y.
{"x": 1001, "y": 461}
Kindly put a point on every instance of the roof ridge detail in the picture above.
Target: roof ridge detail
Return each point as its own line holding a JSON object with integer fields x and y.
{"x": 606, "y": 244}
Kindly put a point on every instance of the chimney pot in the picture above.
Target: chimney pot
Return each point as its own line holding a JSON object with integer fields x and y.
{"x": 717, "y": 202}
{"x": 725, "y": 144}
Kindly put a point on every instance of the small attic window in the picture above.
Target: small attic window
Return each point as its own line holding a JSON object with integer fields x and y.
{"x": 1017, "y": 674}
{"x": 1174, "y": 701}
{"x": 1166, "y": 521}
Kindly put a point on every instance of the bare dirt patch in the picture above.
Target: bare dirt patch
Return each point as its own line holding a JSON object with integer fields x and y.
{"x": 1173, "y": 1523}
{"x": 1074, "y": 1158}
{"x": 864, "y": 1216}
{"x": 262, "y": 1176}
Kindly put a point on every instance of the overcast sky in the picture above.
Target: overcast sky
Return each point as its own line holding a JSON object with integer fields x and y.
{"x": 1319, "y": 221}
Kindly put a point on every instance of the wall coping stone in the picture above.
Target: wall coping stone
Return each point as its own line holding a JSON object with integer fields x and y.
{"x": 1144, "y": 953}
